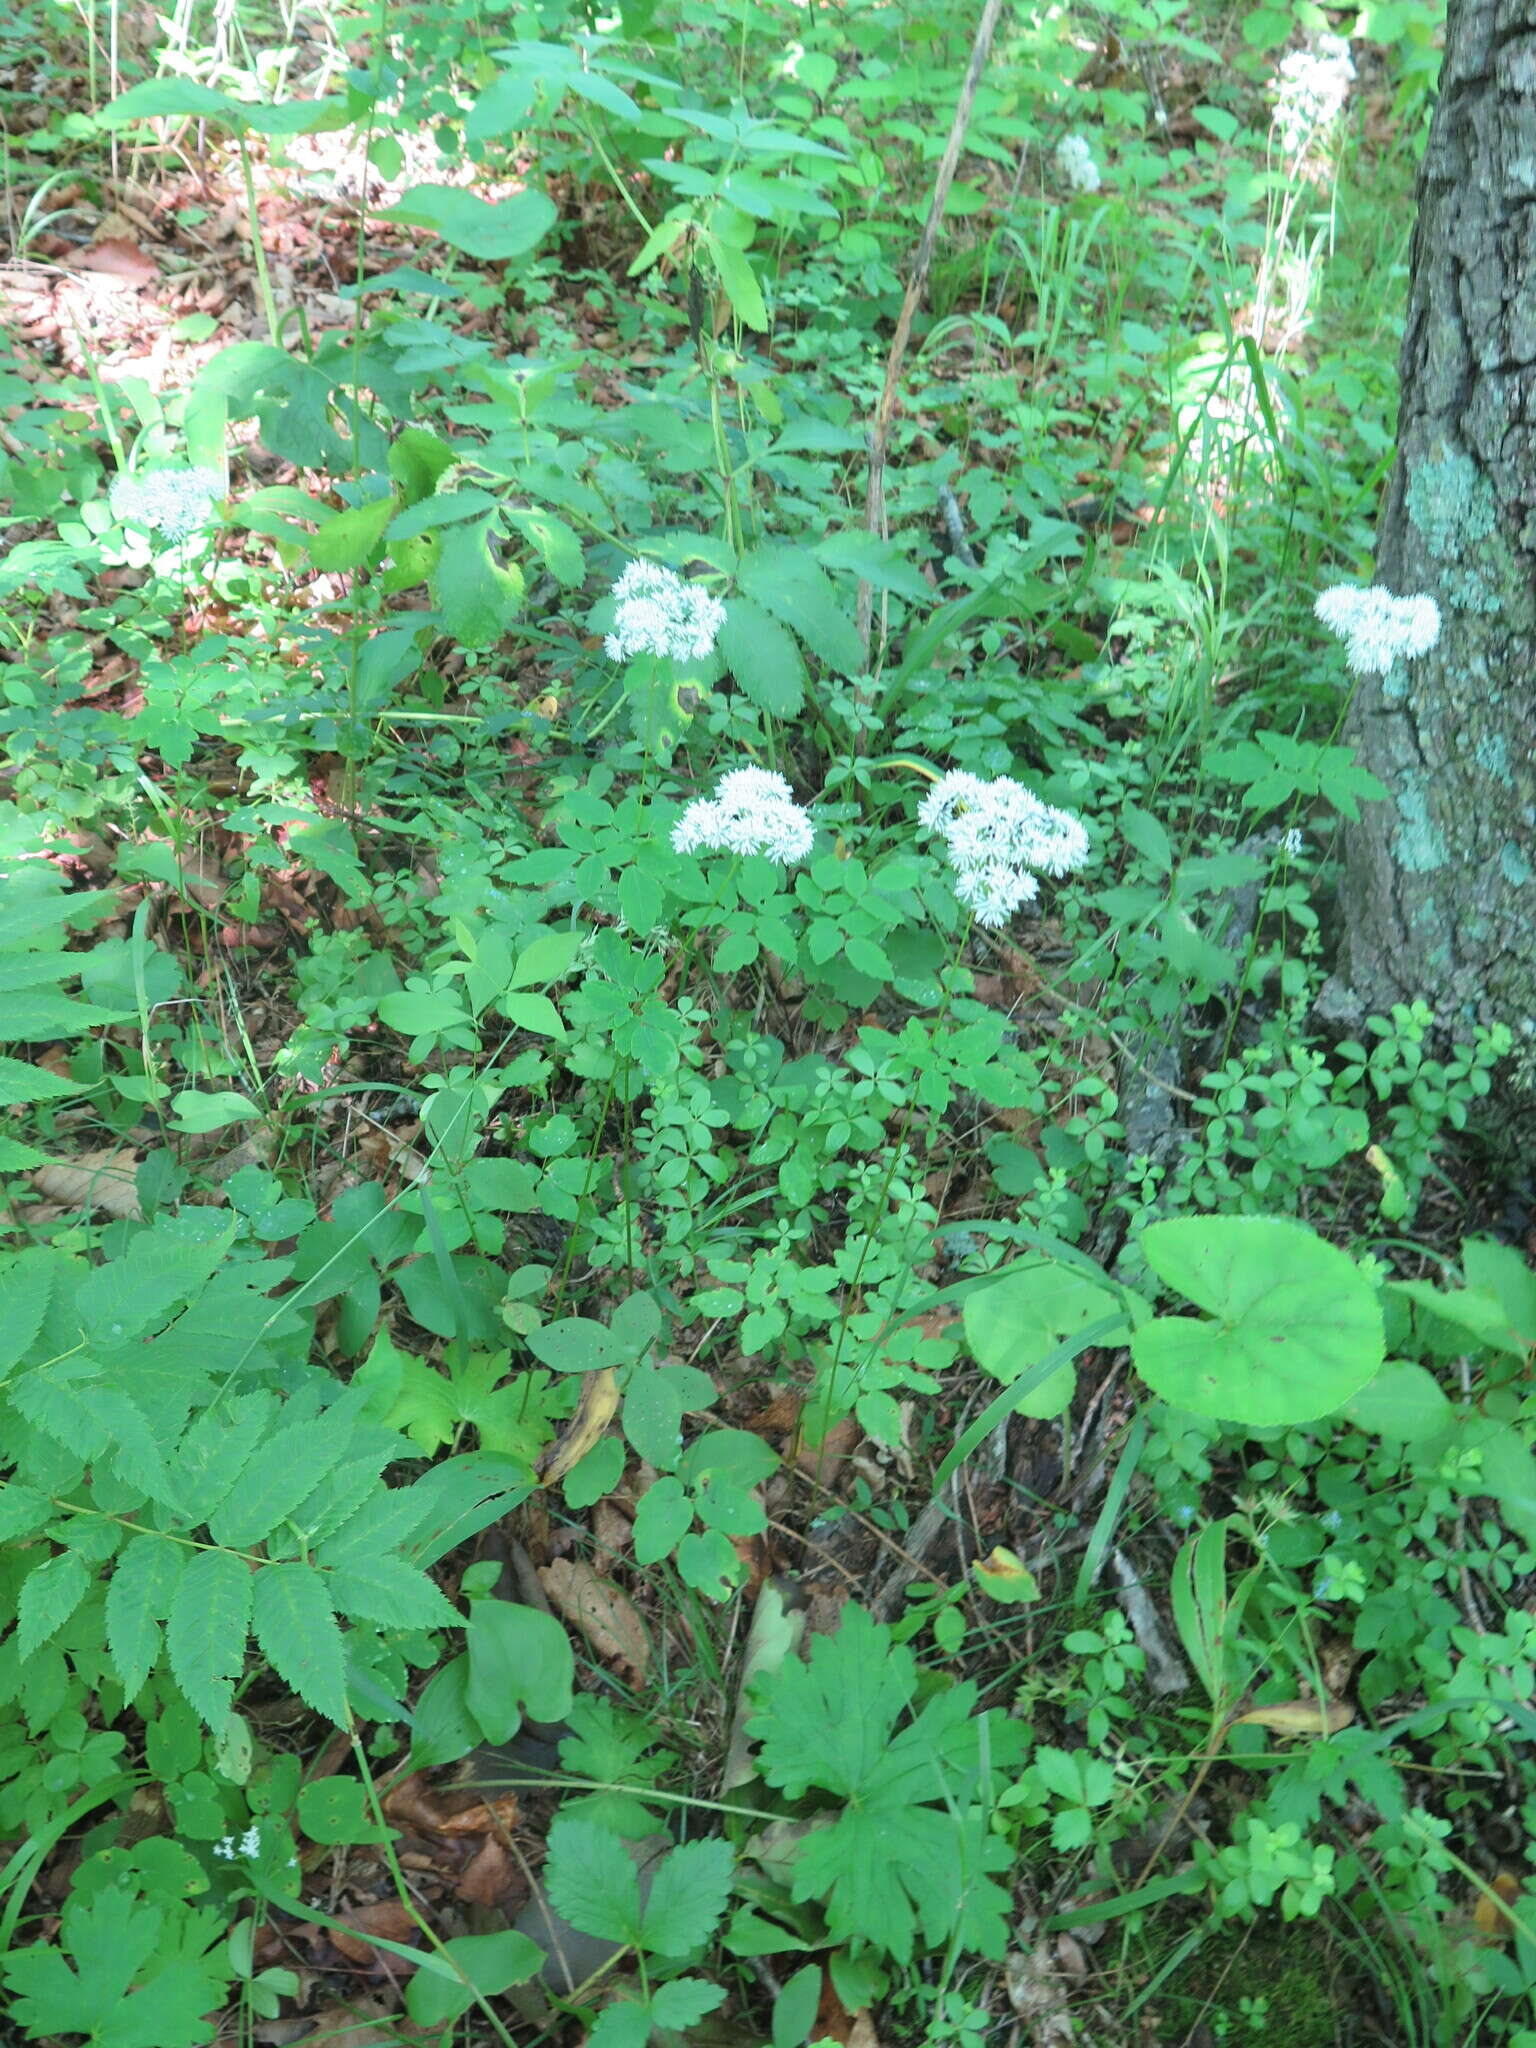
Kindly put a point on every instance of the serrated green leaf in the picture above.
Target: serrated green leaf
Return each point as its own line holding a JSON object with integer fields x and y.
{"x": 22, "y": 1509}
{"x": 685, "y": 2001}
{"x": 295, "y": 1625}
{"x": 26, "y": 1288}
{"x": 139, "y": 1597}
{"x": 124, "y": 1296}
{"x": 32, "y": 1015}
{"x": 21, "y": 1082}
{"x": 391, "y": 1592}
{"x": 215, "y": 1451}
{"x": 762, "y": 656}
{"x": 49, "y": 1596}
{"x": 555, "y": 543}
{"x": 347, "y": 539}
{"x": 789, "y": 582}
{"x": 286, "y": 1468}
{"x": 590, "y": 1880}
{"x": 478, "y": 599}
{"x": 687, "y": 1898}
{"x": 206, "y": 1630}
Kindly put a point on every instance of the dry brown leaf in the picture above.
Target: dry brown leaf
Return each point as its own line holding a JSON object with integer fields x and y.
{"x": 114, "y": 257}
{"x": 1299, "y": 1717}
{"x": 602, "y": 1613}
{"x": 415, "y": 1804}
{"x": 598, "y": 1405}
{"x": 612, "y": 1532}
{"x": 1491, "y": 1914}
{"x": 352, "y": 2026}
{"x": 489, "y": 1876}
{"x": 101, "y": 1180}
{"x": 386, "y": 1919}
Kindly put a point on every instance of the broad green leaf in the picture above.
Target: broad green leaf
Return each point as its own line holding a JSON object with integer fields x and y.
{"x": 1403, "y": 1402}
{"x": 762, "y": 656}
{"x": 883, "y": 564}
{"x": 490, "y": 233}
{"x": 295, "y": 1625}
{"x": 139, "y": 1597}
{"x": 347, "y": 539}
{"x": 530, "y": 1012}
{"x": 335, "y": 1810}
{"x": 478, "y": 599}
{"x": 662, "y": 1520}
{"x": 184, "y": 98}
{"x": 49, "y": 1596}
{"x": 549, "y": 957}
{"x": 1013, "y": 1322}
{"x": 687, "y": 1898}
{"x": 741, "y": 285}
{"x": 1297, "y": 1327}
{"x": 206, "y": 1630}
{"x": 505, "y": 104}
{"x": 33, "y": 1015}
{"x": 490, "y": 1962}
{"x": 553, "y": 541}
{"x": 518, "y": 1659}
{"x": 198, "y": 1110}
{"x": 576, "y": 1344}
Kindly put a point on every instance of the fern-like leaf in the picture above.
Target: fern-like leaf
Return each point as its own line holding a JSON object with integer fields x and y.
{"x": 390, "y": 1592}
{"x": 206, "y": 1629}
{"x": 282, "y": 1473}
{"x": 139, "y": 1598}
{"x": 296, "y": 1627}
{"x": 48, "y": 1597}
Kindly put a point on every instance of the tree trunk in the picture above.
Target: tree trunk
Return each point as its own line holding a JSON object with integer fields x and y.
{"x": 1439, "y": 899}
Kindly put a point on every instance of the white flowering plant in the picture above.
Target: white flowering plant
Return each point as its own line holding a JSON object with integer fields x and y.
{"x": 665, "y": 629}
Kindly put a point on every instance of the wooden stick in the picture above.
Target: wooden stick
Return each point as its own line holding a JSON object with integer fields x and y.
{"x": 874, "y": 502}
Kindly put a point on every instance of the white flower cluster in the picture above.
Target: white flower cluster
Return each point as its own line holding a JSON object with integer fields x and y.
{"x": 1075, "y": 164}
{"x": 752, "y": 811}
{"x": 656, "y": 612}
{"x": 1377, "y": 627}
{"x": 998, "y": 835}
{"x": 1311, "y": 87}
{"x": 176, "y": 502}
{"x": 247, "y": 1845}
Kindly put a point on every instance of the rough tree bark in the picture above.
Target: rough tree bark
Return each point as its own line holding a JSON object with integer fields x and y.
{"x": 1440, "y": 888}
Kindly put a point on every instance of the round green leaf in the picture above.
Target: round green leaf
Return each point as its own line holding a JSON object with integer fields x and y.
{"x": 1297, "y": 1327}
{"x": 1032, "y": 1306}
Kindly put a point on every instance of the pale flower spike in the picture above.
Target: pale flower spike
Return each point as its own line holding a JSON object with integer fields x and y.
{"x": 1311, "y": 87}
{"x": 999, "y": 836}
{"x": 752, "y": 811}
{"x": 1075, "y": 164}
{"x": 177, "y": 502}
{"x": 657, "y": 612}
{"x": 1378, "y": 628}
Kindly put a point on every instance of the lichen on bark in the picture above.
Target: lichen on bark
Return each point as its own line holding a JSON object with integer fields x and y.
{"x": 1440, "y": 894}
